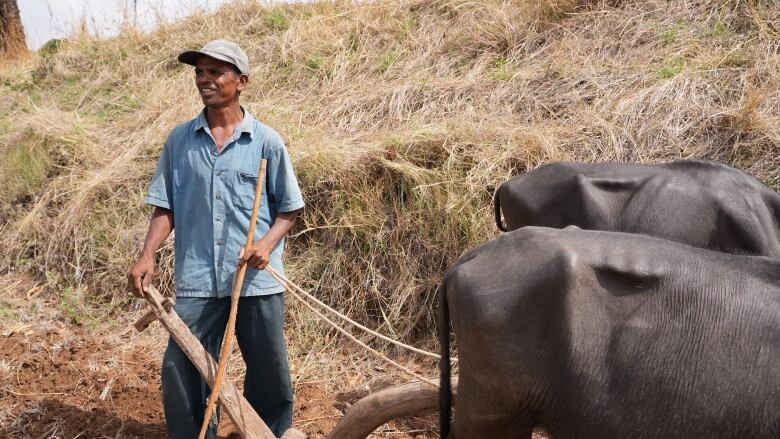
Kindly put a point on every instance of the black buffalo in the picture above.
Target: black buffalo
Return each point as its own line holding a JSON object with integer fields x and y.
{"x": 611, "y": 335}
{"x": 694, "y": 202}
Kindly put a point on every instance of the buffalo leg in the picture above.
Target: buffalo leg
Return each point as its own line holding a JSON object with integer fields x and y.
{"x": 488, "y": 411}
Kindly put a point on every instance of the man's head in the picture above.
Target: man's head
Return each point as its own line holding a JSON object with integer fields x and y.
{"x": 221, "y": 72}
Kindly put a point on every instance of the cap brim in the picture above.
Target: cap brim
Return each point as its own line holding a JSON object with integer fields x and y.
{"x": 191, "y": 57}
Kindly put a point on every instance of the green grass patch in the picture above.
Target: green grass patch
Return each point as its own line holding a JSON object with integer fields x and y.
{"x": 314, "y": 63}
{"x": 19, "y": 84}
{"x": 74, "y": 307}
{"x": 6, "y": 312}
{"x": 5, "y": 125}
{"x": 671, "y": 68}
{"x": 50, "y": 48}
{"x": 26, "y": 164}
{"x": 71, "y": 90}
{"x": 276, "y": 20}
{"x": 81, "y": 308}
{"x": 720, "y": 28}
{"x": 353, "y": 42}
{"x": 387, "y": 60}
{"x": 118, "y": 107}
{"x": 500, "y": 70}
{"x": 408, "y": 25}
{"x": 551, "y": 10}
{"x": 670, "y": 35}
{"x": 736, "y": 59}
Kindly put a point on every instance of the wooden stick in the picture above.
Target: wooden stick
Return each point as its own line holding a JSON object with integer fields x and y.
{"x": 145, "y": 320}
{"x": 238, "y": 281}
{"x": 244, "y": 417}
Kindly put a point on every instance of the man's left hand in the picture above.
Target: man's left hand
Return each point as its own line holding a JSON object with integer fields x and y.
{"x": 258, "y": 255}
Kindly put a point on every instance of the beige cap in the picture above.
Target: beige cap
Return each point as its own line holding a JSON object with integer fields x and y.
{"x": 222, "y": 50}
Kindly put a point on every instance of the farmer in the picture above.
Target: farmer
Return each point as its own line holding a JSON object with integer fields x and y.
{"x": 204, "y": 187}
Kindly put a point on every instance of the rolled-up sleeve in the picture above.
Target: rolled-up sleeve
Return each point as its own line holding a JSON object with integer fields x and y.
{"x": 284, "y": 195}
{"x": 161, "y": 189}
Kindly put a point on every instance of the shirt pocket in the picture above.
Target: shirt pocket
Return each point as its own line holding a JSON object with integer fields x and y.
{"x": 246, "y": 182}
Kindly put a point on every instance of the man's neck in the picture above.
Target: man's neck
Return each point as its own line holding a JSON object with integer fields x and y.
{"x": 224, "y": 117}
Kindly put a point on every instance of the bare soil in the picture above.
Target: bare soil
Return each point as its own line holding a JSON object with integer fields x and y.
{"x": 74, "y": 387}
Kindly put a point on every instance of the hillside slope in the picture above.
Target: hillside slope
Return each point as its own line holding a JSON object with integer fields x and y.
{"x": 400, "y": 118}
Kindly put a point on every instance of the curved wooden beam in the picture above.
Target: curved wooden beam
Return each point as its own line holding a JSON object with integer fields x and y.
{"x": 415, "y": 398}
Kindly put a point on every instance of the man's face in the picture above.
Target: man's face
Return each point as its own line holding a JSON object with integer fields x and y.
{"x": 218, "y": 84}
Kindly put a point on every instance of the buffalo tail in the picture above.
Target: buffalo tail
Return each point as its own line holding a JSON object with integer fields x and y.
{"x": 497, "y": 208}
{"x": 445, "y": 385}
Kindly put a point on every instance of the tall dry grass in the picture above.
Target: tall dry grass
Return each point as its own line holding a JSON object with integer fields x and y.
{"x": 400, "y": 117}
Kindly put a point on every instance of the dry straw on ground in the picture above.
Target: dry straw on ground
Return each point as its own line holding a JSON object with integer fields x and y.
{"x": 400, "y": 118}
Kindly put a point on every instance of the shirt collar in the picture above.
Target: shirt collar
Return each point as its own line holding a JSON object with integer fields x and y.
{"x": 245, "y": 126}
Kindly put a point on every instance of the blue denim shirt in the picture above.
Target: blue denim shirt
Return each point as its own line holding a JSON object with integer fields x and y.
{"x": 211, "y": 195}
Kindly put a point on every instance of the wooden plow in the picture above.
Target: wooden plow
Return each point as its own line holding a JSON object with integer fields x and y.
{"x": 414, "y": 398}
{"x": 244, "y": 417}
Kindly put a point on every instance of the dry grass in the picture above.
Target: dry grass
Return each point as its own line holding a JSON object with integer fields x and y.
{"x": 400, "y": 117}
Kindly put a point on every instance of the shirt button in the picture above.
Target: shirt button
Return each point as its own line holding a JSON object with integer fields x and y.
{"x": 219, "y": 242}
{"x": 219, "y": 219}
{"x": 219, "y": 196}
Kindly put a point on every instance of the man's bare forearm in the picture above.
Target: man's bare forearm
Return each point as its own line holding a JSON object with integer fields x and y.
{"x": 260, "y": 253}
{"x": 282, "y": 224}
{"x": 140, "y": 275}
{"x": 160, "y": 226}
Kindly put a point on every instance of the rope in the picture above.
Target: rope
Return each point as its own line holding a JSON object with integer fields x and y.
{"x": 350, "y": 321}
{"x": 287, "y": 286}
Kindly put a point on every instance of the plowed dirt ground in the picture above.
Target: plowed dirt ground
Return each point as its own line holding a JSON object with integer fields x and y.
{"x": 59, "y": 379}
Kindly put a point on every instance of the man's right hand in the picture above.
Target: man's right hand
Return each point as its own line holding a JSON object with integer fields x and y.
{"x": 140, "y": 276}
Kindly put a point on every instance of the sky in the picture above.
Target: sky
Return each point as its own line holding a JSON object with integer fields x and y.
{"x": 47, "y": 19}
